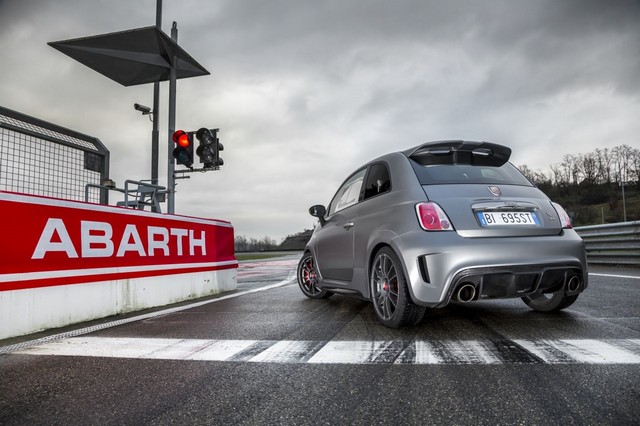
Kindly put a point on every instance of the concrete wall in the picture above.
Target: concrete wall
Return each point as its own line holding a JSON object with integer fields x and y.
{"x": 30, "y": 310}
{"x": 63, "y": 262}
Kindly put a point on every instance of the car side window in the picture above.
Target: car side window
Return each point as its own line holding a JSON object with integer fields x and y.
{"x": 348, "y": 194}
{"x": 378, "y": 181}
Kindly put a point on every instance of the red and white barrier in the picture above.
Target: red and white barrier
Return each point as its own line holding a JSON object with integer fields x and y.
{"x": 63, "y": 261}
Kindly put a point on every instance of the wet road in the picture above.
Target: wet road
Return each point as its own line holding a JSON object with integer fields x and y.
{"x": 267, "y": 355}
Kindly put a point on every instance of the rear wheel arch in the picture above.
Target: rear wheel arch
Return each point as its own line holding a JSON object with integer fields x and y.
{"x": 391, "y": 299}
{"x": 372, "y": 255}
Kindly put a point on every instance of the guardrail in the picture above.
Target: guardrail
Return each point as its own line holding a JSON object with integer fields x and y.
{"x": 612, "y": 244}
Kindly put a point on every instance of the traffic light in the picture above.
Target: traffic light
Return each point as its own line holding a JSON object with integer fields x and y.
{"x": 183, "y": 152}
{"x": 209, "y": 148}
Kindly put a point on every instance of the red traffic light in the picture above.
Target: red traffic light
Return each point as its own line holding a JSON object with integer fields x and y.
{"x": 183, "y": 153}
{"x": 181, "y": 138}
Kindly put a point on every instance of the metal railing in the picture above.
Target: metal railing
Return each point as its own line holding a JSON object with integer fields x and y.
{"x": 143, "y": 194}
{"x": 137, "y": 194}
{"x": 612, "y": 244}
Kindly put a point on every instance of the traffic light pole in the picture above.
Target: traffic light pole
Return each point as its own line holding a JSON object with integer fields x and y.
{"x": 155, "y": 135}
{"x": 171, "y": 185}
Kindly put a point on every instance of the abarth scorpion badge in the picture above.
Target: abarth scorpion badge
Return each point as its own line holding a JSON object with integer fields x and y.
{"x": 495, "y": 191}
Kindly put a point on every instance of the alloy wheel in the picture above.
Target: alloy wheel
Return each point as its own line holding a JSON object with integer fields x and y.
{"x": 308, "y": 277}
{"x": 384, "y": 282}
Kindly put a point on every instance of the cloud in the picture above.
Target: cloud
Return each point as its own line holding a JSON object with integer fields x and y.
{"x": 304, "y": 92}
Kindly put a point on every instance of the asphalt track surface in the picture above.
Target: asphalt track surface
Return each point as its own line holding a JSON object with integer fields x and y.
{"x": 267, "y": 355}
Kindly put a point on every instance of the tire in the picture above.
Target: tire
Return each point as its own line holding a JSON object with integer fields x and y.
{"x": 308, "y": 279}
{"x": 389, "y": 292}
{"x": 549, "y": 302}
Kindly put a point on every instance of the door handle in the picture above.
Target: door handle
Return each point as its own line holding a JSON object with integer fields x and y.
{"x": 348, "y": 225}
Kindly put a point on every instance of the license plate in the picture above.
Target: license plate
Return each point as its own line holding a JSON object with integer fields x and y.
{"x": 507, "y": 218}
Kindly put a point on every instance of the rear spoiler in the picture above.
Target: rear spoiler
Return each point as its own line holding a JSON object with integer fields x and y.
{"x": 460, "y": 152}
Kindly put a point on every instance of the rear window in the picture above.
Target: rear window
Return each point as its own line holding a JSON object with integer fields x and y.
{"x": 442, "y": 174}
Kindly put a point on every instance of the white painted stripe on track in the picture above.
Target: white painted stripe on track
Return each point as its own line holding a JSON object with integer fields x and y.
{"x": 471, "y": 352}
{"x": 86, "y": 330}
{"x": 220, "y": 350}
{"x": 425, "y": 354}
{"x": 584, "y": 351}
{"x": 614, "y": 276}
{"x": 479, "y": 352}
{"x": 285, "y": 352}
{"x": 349, "y": 352}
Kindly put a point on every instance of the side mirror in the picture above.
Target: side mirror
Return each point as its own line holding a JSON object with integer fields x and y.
{"x": 318, "y": 211}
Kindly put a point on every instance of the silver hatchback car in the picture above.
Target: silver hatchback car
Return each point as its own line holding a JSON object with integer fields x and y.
{"x": 444, "y": 221}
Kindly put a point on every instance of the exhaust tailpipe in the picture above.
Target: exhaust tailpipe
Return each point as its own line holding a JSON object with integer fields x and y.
{"x": 574, "y": 283}
{"x": 466, "y": 292}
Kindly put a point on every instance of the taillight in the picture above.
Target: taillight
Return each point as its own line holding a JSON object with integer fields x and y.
{"x": 432, "y": 217}
{"x": 565, "y": 220}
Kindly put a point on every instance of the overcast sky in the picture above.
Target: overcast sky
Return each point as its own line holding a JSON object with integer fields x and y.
{"x": 304, "y": 92}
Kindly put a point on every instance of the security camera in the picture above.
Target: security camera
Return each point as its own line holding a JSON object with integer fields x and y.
{"x": 143, "y": 109}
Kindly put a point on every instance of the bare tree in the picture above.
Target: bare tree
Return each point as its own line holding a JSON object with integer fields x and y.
{"x": 623, "y": 162}
{"x": 587, "y": 166}
{"x": 604, "y": 159}
{"x": 241, "y": 243}
{"x": 634, "y": 161}
{"x": 556, "y": 174}
{"x": 566, "y": 172}
{"x": 537, "y": 177}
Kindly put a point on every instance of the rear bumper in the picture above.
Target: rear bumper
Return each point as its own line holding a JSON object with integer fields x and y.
{"x": 515, "y": 281}
{"x": 437, "y": 264}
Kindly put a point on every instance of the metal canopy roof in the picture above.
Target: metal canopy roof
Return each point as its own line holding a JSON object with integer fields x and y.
{"x": 138, "y": 56}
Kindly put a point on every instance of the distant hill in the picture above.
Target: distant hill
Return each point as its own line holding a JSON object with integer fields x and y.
{"x": 297, "y": 241}
{"x": 596, "y": 204}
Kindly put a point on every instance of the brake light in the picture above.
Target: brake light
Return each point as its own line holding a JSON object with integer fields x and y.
{"x": 565, "y": 220}
{"x": 432, "y": 218}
